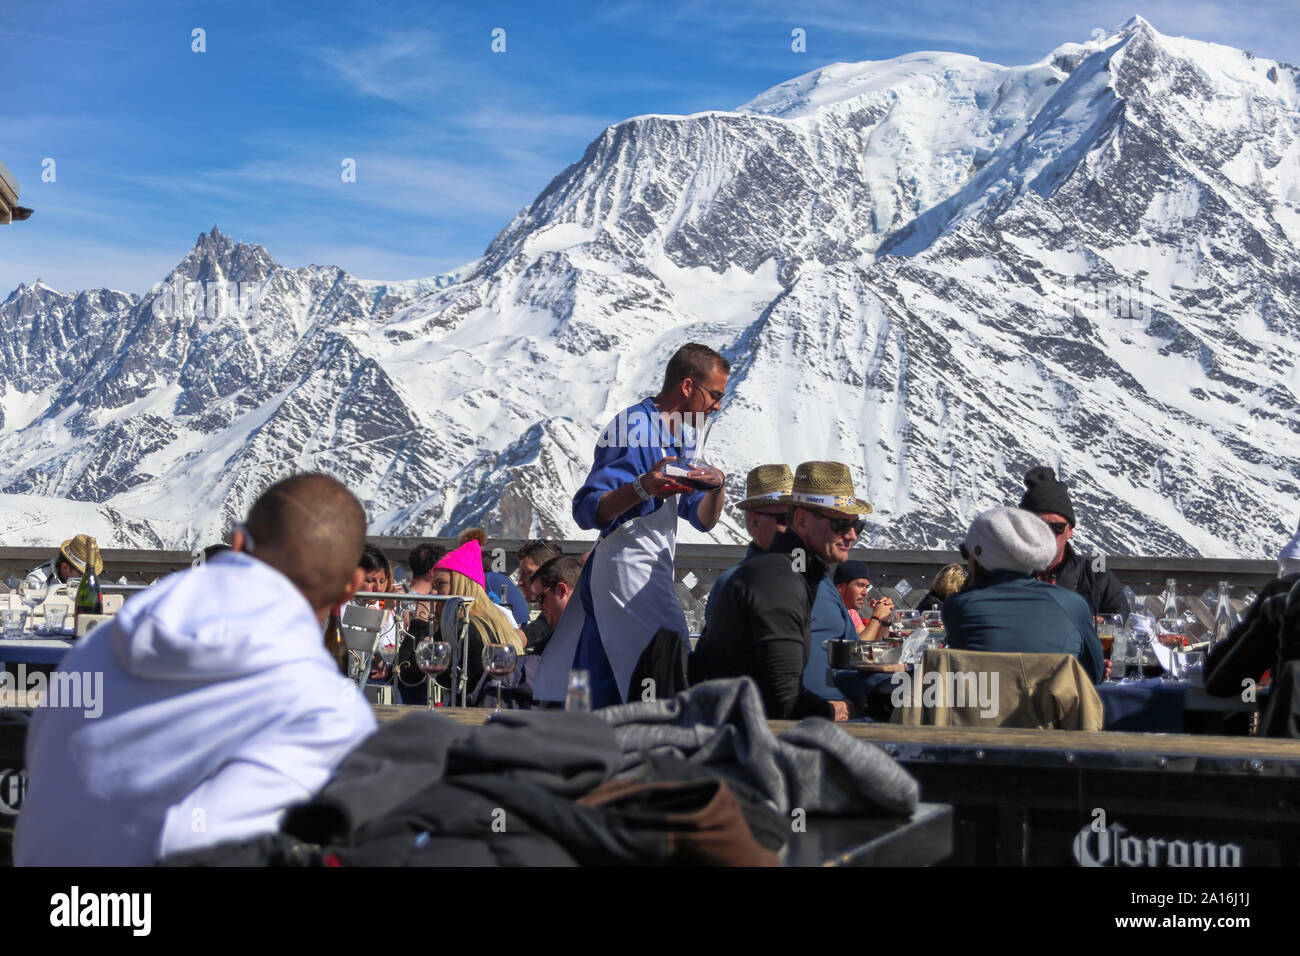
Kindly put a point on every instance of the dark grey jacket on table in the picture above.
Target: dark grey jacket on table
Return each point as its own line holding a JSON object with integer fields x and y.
{"x": 720, "y": 725}
{"x": 698, "y": 777}
{"x": 1103, "y": 591}
{"x": 761, "y": 628}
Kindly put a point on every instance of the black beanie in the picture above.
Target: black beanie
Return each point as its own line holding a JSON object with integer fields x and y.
{"x": 1046, "y": 493}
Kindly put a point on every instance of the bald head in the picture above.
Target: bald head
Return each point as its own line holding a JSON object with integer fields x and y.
{"x": 312, "y": 530}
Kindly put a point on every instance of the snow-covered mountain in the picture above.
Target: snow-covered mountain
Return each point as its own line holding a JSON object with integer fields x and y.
{"x": 939, "y": 270}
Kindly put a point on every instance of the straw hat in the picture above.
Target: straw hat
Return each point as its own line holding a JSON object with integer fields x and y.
{"x": 74, "y": 551}
{"x": 767, "y": 485}
{"x": 827, "y": 485}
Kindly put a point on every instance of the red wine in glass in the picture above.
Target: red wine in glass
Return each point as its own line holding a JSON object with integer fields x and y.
{"x": 682, "y": 475}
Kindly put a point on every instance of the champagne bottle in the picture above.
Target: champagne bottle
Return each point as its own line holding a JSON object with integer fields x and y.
{"x": 334, "y": 642}
{"x": 90, "y": 598}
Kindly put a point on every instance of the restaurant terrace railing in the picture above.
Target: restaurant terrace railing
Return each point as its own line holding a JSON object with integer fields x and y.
{"x": 902, "y": 575}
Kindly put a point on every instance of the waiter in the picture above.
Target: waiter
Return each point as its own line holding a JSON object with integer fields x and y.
{"x": 626, "y": 592}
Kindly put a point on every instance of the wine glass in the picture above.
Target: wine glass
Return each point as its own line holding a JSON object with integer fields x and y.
{"x": 1172, "y": 633}
{"x": 906, "y": 621}
{"x": 499, "y": 660}
{"x": 33, "y": 596}
{"x": 432, "y": 657}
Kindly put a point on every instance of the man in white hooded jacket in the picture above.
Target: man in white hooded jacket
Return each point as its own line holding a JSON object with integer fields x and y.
{"x": 221, "y": 706}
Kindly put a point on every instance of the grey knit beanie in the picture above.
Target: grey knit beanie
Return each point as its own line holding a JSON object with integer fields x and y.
{"x": 1011, "y": 539}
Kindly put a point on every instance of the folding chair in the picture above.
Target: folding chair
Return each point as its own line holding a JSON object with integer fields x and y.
{"x": 361, "y": 628}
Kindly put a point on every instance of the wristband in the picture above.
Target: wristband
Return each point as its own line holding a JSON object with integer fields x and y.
{"x": 641, "y": 492}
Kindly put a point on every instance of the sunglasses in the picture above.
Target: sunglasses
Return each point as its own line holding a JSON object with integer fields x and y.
{"x": 845, "y": 525}
{"x": 961, "y": 549}
{"x": 1058, "y": 527}
{"x": 716, "y": 396}
{"x": 541, "y": 594}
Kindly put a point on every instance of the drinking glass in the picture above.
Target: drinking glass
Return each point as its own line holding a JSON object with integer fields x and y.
{"x": 578, "y": 696}
{"x": 1138, "y": 656}
{"x": 432, "y": 657}
{"x": 906, "y": 621}
{"x": 499, "y": 661}
{"x": 13, "y": 624}
{"x": 1109, "y": 627}
{"x": 54, "y": 617}
{"x": 33, "y": 595}
{"x": 1186, "y": 664}
{"x": 387, "y": 649}
{"x": 1172, "y": 633}
{"x": 932, "y": 620}
{"x": 690, "y": 455}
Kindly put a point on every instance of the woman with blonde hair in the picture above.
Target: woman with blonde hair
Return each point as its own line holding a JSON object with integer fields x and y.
{"x": 460, "y": 573}
{"x": 950, "y": 579}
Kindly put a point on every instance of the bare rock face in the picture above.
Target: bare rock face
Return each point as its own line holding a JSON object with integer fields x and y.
{"x": 939, "y": 270}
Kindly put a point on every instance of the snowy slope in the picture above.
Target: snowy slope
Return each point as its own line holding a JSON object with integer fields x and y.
{"x": 937, "y": 269}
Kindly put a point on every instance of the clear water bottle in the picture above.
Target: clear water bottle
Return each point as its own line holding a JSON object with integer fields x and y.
{"x": 1222, "y": 616}
{"x": 1171, "y": 599}
{"x": 578, "y": 696}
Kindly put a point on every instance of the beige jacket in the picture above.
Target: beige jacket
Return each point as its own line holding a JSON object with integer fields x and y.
{"x": 981, "y": 689}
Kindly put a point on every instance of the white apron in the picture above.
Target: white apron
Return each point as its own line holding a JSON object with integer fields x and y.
{"x": 632, "y": 595}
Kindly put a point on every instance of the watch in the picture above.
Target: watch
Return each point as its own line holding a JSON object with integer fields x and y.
{"x": 641, "y": 492}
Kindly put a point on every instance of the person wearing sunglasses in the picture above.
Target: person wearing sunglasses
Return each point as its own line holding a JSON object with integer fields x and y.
{"x": 761, "y": 626}
{"x": 627, "y": 589}
{"x": 1047, "y": 497}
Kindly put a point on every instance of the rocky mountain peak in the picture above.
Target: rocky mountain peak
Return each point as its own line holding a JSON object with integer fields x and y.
{"x": 937, "y": 270}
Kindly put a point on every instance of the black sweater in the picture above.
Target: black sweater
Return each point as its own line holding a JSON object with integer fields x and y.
{"x": 760, "y": 629}
{"x": 1103, "y": 591}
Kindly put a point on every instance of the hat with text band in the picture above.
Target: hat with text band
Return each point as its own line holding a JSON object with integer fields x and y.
{"x": 826, "y": 485}
{"x": 74, "y": 551}
{"x": 767, "y": 485}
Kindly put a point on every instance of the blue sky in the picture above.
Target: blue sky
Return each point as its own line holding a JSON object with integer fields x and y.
{"x": 153, "y": 143}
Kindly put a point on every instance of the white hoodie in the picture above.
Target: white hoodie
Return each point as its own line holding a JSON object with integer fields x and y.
{"x": 221, "y": 708}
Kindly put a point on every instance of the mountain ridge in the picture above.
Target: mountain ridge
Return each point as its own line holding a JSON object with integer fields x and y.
{"x": 919, "y": 277}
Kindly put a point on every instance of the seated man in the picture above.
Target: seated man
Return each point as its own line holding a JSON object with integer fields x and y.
{"x": 221, "y": 706}
{"x": 766, "y": 507}
{"x": 1004, "y": 608}
{"x": 1048, "y": 498}
{"x": 853, "y": 584}
{"x": 761, "y": 626}
{"x": 68, "y": 562}
{"x": 531, "y": 557}
{"x": 421, "y": 561}
{"x": 556, "y": 580}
